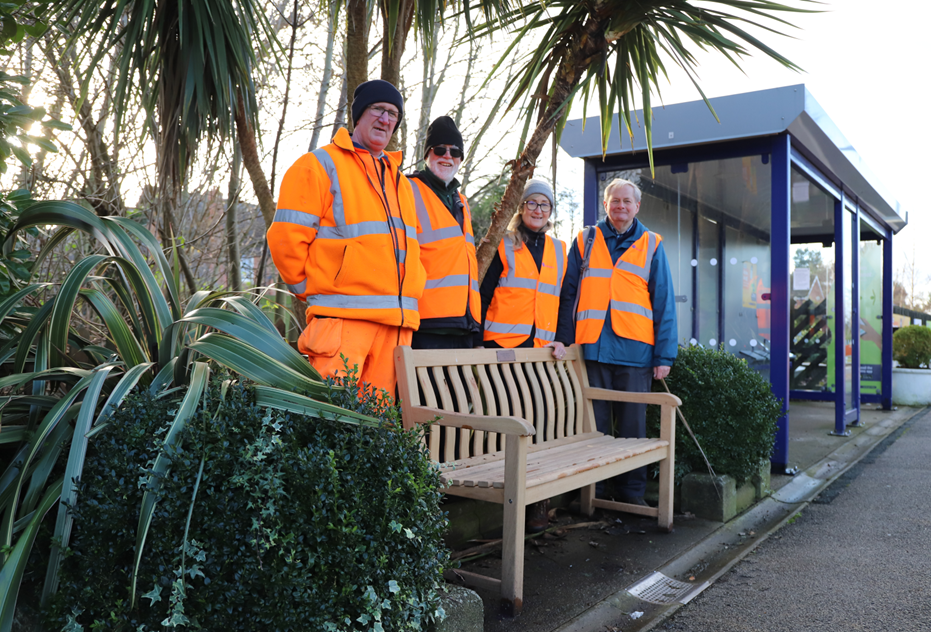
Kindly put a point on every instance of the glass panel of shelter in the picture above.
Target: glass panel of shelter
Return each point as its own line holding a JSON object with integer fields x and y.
{"x": 812, "y": 289}
{"x": 871, "y": 315}
{"x": 714, "y": 217}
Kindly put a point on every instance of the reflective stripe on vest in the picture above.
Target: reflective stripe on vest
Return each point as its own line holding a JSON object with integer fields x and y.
{"x": 447, "y": 252}
{"x": 300, "y": 218}
{"x": 343, "y": 301}
{"x": 526, "y": 299}
{"x": 621, "y": 290}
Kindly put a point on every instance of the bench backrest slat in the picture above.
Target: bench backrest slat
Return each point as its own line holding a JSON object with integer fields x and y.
{"x": 525, "y": 383}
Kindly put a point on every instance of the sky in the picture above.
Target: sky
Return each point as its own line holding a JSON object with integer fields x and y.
{"x": 867, "y": 65}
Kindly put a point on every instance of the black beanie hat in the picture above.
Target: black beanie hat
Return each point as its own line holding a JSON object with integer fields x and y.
{"x": 375, "y": 91}
{"x": 443, "y": 131}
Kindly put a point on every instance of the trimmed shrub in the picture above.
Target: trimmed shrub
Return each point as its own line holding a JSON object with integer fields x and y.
{"x": 911, "y": 346}
{"x": 265, "y": 521}
{"x": 729, "y": 407}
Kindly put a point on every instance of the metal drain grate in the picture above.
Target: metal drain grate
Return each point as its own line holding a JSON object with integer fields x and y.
{"x": 662, "y": 590}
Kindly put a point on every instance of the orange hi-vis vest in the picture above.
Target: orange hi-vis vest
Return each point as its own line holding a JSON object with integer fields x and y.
{"x": 526, "y": 298}
{"x": 448, "y": 255}
{"x": 624, "y": 287}
{"x": 344, "y": 237}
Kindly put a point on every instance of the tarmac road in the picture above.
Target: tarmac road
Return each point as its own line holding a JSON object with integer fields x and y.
{"x": 857, "y": 558}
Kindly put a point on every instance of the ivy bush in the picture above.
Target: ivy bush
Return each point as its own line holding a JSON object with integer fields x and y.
{"x": 265, "y": 520}
{"x": 729, "y": 407}
{"x": 911, "y": 346}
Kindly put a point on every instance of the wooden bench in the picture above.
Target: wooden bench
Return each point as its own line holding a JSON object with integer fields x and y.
{"x": 516, "y": 427}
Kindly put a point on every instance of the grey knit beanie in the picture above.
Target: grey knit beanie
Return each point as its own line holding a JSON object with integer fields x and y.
{"x": 539, "y": 186}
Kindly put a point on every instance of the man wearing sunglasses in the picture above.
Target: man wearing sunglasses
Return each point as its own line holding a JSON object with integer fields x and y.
{"x": 344, "y": 239}
{"x": 450, "y": 309}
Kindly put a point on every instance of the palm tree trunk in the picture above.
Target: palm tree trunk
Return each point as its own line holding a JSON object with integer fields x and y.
{"x": 590, "y": 41}
{"x": 250, "y": 159}
{"x": 357, "y": 45}
{"x": 234, "y": 268}
{"x": 391, "y": 54}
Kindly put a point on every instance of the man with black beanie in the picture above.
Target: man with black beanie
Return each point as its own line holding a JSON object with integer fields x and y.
{"x": 450, "y": 308}
{"x": 344, "y": 239}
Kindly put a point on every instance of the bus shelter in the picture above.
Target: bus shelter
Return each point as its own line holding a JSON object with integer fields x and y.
{"x": 778, "y": 236}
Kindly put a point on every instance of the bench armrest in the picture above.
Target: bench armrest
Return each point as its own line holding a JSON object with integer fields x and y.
{"x": 661, "y": 399}
{"x": 502, "y": 425}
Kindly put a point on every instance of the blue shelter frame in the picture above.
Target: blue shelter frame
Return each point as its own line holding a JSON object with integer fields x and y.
{"x": 787, "y": 130}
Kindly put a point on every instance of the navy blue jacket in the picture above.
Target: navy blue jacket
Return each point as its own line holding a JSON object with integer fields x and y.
{"x": 611, "y": 348}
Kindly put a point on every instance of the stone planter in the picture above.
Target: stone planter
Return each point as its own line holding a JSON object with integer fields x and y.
{"x": 698, "y": 496}
{"x": 911, "y": 387}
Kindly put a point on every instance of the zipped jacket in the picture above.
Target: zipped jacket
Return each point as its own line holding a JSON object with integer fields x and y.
{"x": 447, "y": 251}
{"x": 344, "y": 237}
{"x": 526, "y": 299}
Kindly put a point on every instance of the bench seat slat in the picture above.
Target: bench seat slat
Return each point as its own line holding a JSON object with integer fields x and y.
{"x": 564, "y": 461}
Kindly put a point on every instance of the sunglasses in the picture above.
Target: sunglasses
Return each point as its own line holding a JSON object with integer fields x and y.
{"x": 455, "y": 152}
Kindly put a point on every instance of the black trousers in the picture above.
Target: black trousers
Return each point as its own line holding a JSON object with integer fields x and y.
{"x": 427, "y": 340}
{"x": 621, "y": 419}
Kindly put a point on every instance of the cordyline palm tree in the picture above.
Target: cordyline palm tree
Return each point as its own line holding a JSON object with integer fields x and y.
{"x": 192, "y": 62}
{"x": 604, "y": 48}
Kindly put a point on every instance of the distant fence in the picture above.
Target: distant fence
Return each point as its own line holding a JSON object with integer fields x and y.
{"x": 903, "y": 316}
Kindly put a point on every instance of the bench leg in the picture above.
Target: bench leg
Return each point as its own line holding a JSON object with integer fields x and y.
{"x": 586, "y": 504}
{"x": 512, "y": 554}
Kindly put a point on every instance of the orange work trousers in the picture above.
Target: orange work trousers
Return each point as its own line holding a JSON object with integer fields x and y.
{"x": 368, "y": 345}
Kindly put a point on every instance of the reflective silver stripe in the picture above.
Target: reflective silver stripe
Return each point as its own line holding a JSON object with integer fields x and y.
{"x": 428, "y": 234}
{"x": 518, "y": 282}
{"x": 422, "y": 216}
{"x": 507, "y": 328}
{"x": 509, "y": 255}
{"x": 475, "y": 285}
{"x": 361, "y": 229}
{"x": 300, "y": 288}
{"x": 560, "y": 261}
{"x": 633, "y": 269}
{"x": 631, "y": 308}
{"x": 598, "y": 272}
{"x": 344, "y": 301}
{"x": 453, "y": 280}
{"x": 592, "y": 314}
{"x": 326, "y": 160}
{"x": 470, "y": 240}
{"x": 548, "y": 288}
{"x": 301, "y": 218}
{"x": 543, "y": 334}
{"x": 402, "y": 256}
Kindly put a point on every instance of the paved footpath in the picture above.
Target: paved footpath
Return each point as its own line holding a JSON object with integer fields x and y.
{"x": 857, "y": 558}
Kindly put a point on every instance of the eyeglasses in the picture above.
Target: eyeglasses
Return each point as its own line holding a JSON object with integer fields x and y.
{"x": 532, "y": 206}
{"x": 455, "y": 152}
{"x": 380, "y": 111}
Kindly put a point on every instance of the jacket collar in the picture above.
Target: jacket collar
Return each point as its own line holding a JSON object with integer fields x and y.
{"x": 344, "y": 141}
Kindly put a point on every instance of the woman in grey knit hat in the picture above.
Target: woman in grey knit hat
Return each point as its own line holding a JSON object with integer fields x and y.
{"x": 520, "y": 292}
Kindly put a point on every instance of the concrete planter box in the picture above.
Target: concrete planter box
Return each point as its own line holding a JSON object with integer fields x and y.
{"x": 697, "y": 494}
{"x": 911, "y": 387}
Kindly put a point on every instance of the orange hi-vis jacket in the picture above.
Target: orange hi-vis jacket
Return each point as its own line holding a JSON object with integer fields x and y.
{"x": 624, "y": 287}
{"x": 344, "y": 236}
{"x": 448, "y": 255}
{"x": 526, "y": 299}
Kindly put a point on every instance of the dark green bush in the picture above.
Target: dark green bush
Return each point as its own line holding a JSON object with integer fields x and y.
{"x": 729, "y": 407}
{"x": 911, "y": 346}
{"x": 295, "y": 523}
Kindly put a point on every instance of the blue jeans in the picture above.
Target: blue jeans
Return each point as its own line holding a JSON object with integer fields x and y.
{"x": 621, "y": 419}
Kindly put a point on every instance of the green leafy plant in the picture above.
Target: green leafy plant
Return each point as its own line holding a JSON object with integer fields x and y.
{"x": 911, "y": 346}
{"x": 57, "y": 389}
{"x": 266, "y": 520}
{"x": 729, "y": 407}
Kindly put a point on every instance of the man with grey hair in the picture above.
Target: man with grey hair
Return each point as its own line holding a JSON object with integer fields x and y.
{"x": 618, "y": 302}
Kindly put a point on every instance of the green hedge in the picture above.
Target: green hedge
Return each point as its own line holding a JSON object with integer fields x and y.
{"x": 730, "y": 408}
{"x": 295, "y": 523}
{"x": 911, "y": 346}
